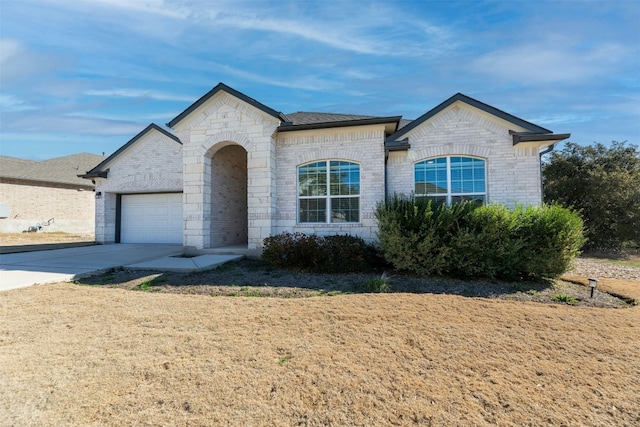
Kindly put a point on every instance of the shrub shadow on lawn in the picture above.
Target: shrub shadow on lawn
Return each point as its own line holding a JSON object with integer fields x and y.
{"x": 256, "y": 278}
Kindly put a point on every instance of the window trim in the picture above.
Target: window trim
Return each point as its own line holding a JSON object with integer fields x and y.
{"x": 328, "y": 197}
{"x": 449, "y": 194}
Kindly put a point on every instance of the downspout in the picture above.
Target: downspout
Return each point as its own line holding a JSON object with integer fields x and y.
{"x": 386, "y": 185}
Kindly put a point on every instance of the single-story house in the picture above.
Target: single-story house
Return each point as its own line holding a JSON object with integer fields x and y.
{"x": 47, "y": 195}
{"x": 234, "y": 171}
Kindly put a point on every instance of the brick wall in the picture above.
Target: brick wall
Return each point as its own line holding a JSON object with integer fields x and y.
{"x": 513, "y": 174}
{"x": 362, "y": 145}
{"x": 153, "y": 164}
{"x": 30, "y": 203}
{"x": 229, "y": 197}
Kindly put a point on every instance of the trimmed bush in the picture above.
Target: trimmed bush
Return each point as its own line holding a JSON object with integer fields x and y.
{"x": 330, "y": 254}
{"x": 468, "y": 240}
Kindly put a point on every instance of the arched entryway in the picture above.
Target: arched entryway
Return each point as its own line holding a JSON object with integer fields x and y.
{"x": 229, "y": 197}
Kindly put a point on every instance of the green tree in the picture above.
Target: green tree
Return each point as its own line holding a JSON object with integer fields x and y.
{"x": 603, "y": 185}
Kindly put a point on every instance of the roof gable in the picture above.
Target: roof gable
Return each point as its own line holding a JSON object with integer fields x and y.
{"x": 100, "y": 172}
{"x": 222, "y": 87}
{"x": 530, "y": 127}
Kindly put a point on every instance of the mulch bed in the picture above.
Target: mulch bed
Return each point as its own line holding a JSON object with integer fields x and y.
{"x": 250, "y": 278}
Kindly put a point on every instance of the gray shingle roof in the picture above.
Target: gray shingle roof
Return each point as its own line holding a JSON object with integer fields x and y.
{"x": 61, "y": 170}
{"x": 13, "y": 166}
{"x": 306, "y": 118}
{"x": 403, "y": 123}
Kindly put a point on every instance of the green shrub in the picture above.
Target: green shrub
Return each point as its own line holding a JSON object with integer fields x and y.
{"x": 330, "y": 254}
{"x": 415, "y": 236}
{"x": 567, "y": 299}
{"x": 378, "y": 284}
{"x": 468, "y": 240}
{"x": 552, "y": 237}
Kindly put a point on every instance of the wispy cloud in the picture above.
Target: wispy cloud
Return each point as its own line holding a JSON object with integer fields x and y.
{"x": 20, "y": 64}
{"x": 52, "y": 124}
{"x": 137, "y": 93}
{"x": 9, "y": 103}
{"x": 542, "y": 63}
{"x": 376, "y": 29}
{"x": 308, "y": 82}
{"x": 156, "y": 7}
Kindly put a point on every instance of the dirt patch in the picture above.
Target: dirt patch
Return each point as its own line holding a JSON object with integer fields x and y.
{"x": 42, "y": 238}
{"x": 94, "y": 355}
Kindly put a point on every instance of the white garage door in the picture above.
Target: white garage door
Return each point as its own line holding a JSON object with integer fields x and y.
{"x": 151, "y": 218}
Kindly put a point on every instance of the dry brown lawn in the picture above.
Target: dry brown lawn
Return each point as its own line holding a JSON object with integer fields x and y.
{"x": 42, "y": 238}
{"x": 94, "y": 356}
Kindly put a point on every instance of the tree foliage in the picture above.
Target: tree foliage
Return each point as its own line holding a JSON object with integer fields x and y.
{"x": 603, "y": 185}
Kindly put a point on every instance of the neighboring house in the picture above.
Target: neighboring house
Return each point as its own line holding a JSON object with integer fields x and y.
{"x": 235, "y": 171}
{"x": 47, "y": 195}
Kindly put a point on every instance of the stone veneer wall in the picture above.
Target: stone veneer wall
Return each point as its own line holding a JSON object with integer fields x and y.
{"x": 513, "y": 174}
{"x": 222, "y": 121}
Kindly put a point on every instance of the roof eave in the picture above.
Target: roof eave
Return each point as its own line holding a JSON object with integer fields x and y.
{"x": 91, "y": 175}
{"x": 397, "y": 145}
{"x": 535, "y": 139}
{"x": 289, "y": 127}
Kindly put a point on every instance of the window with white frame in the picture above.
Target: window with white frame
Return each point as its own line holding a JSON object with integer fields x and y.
{"x": 329, "y": 192}
{"x": 451, "y": 179}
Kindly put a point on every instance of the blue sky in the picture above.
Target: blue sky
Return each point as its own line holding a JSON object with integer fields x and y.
{"x": 88, "y": 75}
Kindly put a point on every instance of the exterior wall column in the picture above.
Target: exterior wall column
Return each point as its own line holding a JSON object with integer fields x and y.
{"x": 106, "y": 217}
{"x": 261, "y": 193}
{"x": 196, "y": 200}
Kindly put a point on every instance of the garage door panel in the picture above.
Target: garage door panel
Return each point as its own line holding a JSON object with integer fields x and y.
{"x": 151, "y": 218}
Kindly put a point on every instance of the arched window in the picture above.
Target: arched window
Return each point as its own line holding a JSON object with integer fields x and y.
{"x": 329, "y": 192}
{"x": 451, "y": 179}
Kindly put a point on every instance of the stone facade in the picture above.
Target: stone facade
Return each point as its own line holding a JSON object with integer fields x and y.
{"x": 238, "y": 164}
{"x": 223, "y": 121}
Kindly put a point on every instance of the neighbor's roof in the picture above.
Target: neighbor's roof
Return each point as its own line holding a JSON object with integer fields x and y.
{"x": 59, "y": 170}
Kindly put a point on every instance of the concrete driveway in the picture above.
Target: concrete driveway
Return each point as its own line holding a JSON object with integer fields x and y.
{"x": 27, "y": 268}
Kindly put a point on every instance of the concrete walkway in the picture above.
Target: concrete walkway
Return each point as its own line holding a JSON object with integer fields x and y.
{"x": 24, "y": 269}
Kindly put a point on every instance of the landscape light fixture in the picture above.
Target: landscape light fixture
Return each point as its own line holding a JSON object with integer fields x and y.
{"x": 593, "y": 283}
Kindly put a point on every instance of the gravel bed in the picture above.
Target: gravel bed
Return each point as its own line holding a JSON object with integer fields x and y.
{"x": 592, "y": 267}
